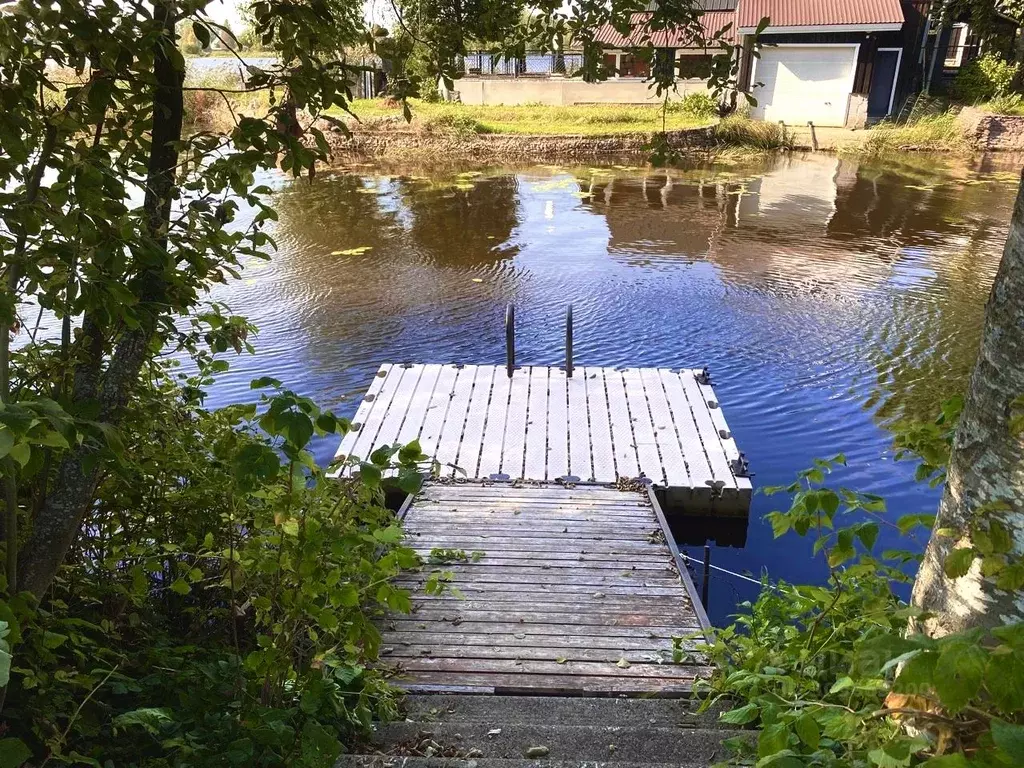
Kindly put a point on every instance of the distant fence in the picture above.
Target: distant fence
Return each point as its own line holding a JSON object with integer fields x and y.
{"x": 530, "y": 64}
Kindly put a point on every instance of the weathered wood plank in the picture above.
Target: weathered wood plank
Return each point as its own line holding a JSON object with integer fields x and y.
{"x": 602, "y": 447}
{"x": 494, "y": 432}
{"x": 580, "y": 463}
{"x": 537, "y": 425}
{"x": 541, "y": 667}
{"x": 471, "y": 445}
{"x": 525, "y": 629}
{"x": 569, "y": 619}
{"x": 447, "y": 453}
{"x": 370, "y": 399}
{"x": 437, "y": 409}
{"x": 516, "y": 526}
{"x": 707, "y": 430}
{"x": 550, "y": 653}
{"x": 558, "y": 426}
{"x": 368, "y": 430}
{"x": 553, "y": 684}
{"x": 643, "y": 430}
{"x": 690, "y": 443}
{"x": 513, "y": 452}
{"x": 549, "y": 643}
{"x": 664, "y": 430}
{"x": 595, "y": 578}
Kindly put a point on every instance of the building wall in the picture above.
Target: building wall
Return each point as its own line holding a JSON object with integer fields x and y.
{"x": 564, "y": 91}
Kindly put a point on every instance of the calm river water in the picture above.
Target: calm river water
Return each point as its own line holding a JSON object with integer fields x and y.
{"x": 828, "y": 296}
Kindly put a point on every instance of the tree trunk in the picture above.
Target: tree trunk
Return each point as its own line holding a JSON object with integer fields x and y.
{"x": 987, "y": 462}
{"x": 60, "y": 519}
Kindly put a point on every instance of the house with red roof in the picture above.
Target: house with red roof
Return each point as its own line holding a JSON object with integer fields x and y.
{"x": 824, "y": 62}
{"x": 830, "y": 62}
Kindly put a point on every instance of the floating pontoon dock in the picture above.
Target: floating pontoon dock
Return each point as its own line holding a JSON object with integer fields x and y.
{"x": 540, "y": 425}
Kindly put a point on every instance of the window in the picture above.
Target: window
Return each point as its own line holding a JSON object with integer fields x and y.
{"x": 956, "y": 47}
{"x": 693, "y": 67}
{"x": 633, "y": 66}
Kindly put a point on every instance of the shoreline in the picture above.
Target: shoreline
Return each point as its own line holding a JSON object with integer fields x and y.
{"x": 981, "y": 134}
{"x": 378, "y": 144}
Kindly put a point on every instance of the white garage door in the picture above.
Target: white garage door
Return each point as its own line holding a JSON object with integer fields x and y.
{"x": 805, "y": 83}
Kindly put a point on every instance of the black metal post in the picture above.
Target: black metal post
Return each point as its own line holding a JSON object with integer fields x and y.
{"x": 510, "y": 339}
{"x": 568, "y": 342}
{"x": 707, "y": 576}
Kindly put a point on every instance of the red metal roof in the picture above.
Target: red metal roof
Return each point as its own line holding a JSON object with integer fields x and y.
{"x": 711, "y": 21}
{"x": 814, "y": 13}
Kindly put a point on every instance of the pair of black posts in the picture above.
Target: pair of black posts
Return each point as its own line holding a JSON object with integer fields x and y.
{"x": 510, "y": 340}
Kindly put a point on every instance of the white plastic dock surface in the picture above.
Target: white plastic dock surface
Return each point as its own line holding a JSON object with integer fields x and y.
{"x": 598, "y": 426}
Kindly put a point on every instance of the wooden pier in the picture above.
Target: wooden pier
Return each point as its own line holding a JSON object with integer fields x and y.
{"x": 546, "y": 519}
{"x": 560, "y": 591}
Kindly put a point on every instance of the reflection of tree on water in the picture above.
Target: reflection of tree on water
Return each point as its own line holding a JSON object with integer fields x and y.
{"x": 462, "y": 222}
{"x": 946, "y": 246}
{"x": 374, "y": 268}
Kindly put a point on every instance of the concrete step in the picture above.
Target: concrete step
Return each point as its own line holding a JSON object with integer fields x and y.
{"x": 548, "y": 710}
{"x": 602, "y": 743}
{"x": 390, "y": 761}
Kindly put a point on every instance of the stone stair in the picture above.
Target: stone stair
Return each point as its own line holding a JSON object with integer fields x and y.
{"x": 466, "y": 731}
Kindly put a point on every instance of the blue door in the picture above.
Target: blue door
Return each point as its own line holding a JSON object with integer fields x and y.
{"x": 883, "y": 77}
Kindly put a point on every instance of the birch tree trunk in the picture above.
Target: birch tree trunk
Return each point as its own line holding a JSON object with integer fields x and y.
{"x": 987, "y": 462}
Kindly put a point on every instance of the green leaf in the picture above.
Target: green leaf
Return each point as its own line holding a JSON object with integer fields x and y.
{"x": 958, "y": 562}
{"x": 263, "y": 382}
{"x": 410, "y": 453}
{"x": 382, "y": 456}
{"x": 1004, "y": 680}
{"x": 13, "y": 752}
{"x": 841, "y": 684}
{"x": 390, "y": 535}
{"x": 773, "y": 738}
{"x": 149, "y": 718}
{"x": 868, "y": 534}
{"x": 410, "y": 480}
{"x": 748, "y": 713}
{"x": 53, "y": 640}
{"x": 807, "y": 729}
{"x": 370, "y": 474}
{"x": 6, "y": 441}
{"x": 20, "y": 453}
{"x": 181, "y": 587}
{"x": 958, "y": 673}
{"x": 1010, "y": 739}
{"x": 202, "y": 33}
{"x": 907, "y": 523}
{"x": 348, "y": 596}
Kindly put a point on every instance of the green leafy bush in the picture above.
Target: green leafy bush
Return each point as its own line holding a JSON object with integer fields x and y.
{"x": 218, "y": 608}
{"x": 698, "y": 105}
{"x": 835, "y": 675}
{"x": 987, "y": 77}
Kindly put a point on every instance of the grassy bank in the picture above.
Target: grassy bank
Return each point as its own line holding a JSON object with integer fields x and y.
{"x": 929, "y": 133}
{"x": 536, "y": 119}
